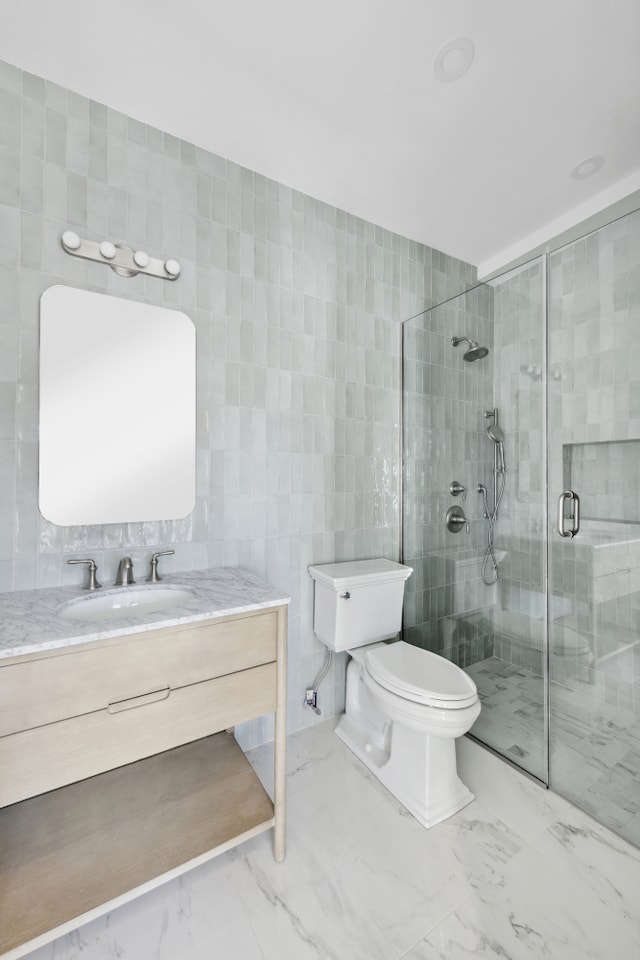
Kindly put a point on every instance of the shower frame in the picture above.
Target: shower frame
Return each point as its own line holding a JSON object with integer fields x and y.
{"x": 605, "y": 266}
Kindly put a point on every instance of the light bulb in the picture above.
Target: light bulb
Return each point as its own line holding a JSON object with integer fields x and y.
{"x": 70, "y": 240}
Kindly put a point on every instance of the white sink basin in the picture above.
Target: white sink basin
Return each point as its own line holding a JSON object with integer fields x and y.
{"x": 127, "y": 602}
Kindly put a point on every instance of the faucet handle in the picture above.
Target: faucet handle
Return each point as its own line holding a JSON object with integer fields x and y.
{"x": 92, "y": 583}
{"x": 154, "y": 576}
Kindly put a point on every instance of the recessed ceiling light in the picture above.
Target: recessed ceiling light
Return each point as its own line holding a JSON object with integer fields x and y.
{"x": 453, "y": 60}
{"x": 587, "y": 167}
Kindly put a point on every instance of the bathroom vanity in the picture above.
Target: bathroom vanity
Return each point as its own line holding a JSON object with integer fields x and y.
{"x": 119, "y": 768}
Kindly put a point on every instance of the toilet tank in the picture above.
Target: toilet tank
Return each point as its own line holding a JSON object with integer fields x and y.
{"x": 358, "y": 602}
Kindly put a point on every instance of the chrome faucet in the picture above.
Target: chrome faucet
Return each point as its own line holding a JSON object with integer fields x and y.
{"x": 124, "y": 576}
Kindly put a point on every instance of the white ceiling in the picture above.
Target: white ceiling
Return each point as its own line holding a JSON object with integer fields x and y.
{"x": 338, "y": 98}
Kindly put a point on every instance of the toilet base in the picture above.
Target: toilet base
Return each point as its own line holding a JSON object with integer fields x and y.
{"x": 412, "y": 791}
{"x": 417, "y": 767}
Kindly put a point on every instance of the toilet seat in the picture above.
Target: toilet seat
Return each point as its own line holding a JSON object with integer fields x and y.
{"x": 420, "y": 676}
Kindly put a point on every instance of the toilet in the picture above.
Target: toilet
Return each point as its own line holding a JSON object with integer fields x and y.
{"x": 404, "y": 706}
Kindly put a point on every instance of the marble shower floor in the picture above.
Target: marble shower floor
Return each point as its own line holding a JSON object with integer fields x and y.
{"x": 512, "y": 717}
{"x": 595, "y": 748}
{"x": 521, "y": 875}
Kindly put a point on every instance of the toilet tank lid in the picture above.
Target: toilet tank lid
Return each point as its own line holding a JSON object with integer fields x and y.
{"x": 359, "y": 573}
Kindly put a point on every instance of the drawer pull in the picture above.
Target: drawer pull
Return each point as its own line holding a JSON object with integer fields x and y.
{"x": 154, "y": 696}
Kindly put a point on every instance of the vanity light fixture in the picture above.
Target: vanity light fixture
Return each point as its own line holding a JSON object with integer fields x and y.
{"x": 453, "y": 60}
{"x": 122, "y": 259}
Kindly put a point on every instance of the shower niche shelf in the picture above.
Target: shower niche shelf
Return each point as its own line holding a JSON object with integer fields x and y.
{"x": 606, "y": 474}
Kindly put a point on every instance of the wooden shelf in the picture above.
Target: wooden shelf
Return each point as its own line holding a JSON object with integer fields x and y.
{"x": 75, "y": 853}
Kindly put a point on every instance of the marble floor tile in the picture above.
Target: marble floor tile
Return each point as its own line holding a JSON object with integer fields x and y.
{"x": 511, "y": 720}
{"x": 411, "y": 878}
{"x": 599, "y": 859}
{"x": 308, "y": 907}
{"x": 524, "y": 806}
{"x": 200, "y": 915}
{"x": 363, "y": 880}
{"x": 541, "y": 911}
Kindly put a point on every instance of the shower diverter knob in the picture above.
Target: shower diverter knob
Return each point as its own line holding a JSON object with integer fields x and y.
{"x": 455, "y": 489}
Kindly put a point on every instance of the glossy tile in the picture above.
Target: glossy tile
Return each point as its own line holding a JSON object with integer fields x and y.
{"x": 291, "y": 308}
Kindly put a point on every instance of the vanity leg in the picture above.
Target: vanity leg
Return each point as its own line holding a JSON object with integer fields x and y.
{"x": 280, "y": 761}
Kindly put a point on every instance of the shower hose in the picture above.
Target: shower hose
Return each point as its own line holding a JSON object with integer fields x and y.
{"x": 489, "y": 561}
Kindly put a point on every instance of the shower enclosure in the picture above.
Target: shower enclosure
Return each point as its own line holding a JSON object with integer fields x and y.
{"x": 521, "y": 511}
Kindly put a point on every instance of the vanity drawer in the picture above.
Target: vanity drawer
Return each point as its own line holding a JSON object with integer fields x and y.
{"x": 87, "y": 678}
{"x": 48, "y": 757}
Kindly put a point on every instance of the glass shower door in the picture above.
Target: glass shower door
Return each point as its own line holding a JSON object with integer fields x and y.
{"x": 512, "y": 681}
{"x": 594, "y": 525}
{"x": 473, "y": 376}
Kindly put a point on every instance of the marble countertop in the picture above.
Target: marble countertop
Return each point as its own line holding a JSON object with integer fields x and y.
{"x": 30, "y": 620}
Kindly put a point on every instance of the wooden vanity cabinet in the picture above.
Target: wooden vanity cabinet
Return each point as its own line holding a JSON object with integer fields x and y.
{"x": 118, "y": 770}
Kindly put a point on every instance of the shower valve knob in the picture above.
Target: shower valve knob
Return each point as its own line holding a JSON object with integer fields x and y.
{"x": 455, "y": 489}
{"x": 456, "y": 520}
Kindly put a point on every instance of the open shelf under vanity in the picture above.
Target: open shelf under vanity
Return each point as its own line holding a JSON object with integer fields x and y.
{"x": 72, "y": 854}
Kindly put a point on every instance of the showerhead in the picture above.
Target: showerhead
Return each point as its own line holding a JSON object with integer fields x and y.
{"x": 474, "y": 352}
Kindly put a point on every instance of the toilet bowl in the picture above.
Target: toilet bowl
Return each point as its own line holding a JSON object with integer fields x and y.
{"x": 405, "y": 706}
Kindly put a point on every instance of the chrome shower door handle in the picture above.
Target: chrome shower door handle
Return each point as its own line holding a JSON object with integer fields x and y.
{"x": 575, "y": 516}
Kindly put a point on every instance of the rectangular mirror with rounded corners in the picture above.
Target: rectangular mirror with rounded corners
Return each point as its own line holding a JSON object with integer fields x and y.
{"x": 117, "y": 409}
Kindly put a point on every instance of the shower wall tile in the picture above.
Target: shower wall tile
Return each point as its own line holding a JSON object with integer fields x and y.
{"x": 297, "y": 307}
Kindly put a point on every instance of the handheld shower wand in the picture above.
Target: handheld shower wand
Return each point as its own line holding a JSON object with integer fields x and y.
{"x": 495, "y": 433}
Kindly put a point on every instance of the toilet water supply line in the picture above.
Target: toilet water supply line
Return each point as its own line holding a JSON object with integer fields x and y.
{"x": 311, "y": 695}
